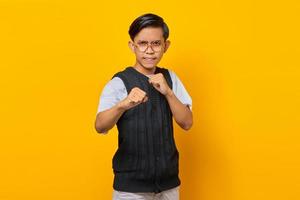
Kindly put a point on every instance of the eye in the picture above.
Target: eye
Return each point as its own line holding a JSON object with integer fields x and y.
{"x": 142, "y": 43}
{"x": 156, "y": 43}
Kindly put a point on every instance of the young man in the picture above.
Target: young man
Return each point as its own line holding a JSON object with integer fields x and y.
{"x": 142, "y": 100}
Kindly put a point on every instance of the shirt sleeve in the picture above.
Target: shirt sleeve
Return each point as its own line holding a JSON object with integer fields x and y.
{"x": 179, "y": 90}
{"x": 113, "y": 92}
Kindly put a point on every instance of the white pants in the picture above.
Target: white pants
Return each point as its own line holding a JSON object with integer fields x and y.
{"x": 171, "y": 194}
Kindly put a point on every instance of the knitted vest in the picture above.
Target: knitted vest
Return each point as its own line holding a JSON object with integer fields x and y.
{"x": 147, "y": 158}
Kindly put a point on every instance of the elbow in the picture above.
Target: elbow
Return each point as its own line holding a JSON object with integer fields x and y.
{"x": 99, "y": 128}
{"x": 187, "y": 125}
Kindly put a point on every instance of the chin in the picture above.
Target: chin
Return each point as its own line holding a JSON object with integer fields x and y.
{"x": 149, "y": 66}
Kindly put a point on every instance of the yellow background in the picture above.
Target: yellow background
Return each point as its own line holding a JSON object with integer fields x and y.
{"x": 239, "y": 61}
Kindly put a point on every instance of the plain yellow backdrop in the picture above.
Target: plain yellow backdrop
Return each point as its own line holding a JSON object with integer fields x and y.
{"x": 239, "y": 60}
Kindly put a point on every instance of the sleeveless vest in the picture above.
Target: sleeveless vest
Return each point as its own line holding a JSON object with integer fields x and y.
{"x": 147, "y": 158}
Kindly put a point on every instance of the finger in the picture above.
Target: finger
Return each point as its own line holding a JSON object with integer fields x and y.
{"x": 134, "y": 97}
{"x": 142, "y": 93}
{"x": 152, "y": 82}
{"x": 139, "y": 96}
{"x": 137, "y": 90}
{"x": 145, "y": 99}
{"x": 131, "y": 100}
{"x": 158, "y": 79}
{"x": 159, "y": 75}
{"x": 155, "y": 84}
{"x": 135, "y": 94}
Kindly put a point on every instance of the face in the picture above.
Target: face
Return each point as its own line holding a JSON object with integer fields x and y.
{"x": 149, "y": 46}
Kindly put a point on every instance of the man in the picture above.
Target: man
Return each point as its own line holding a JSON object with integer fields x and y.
{"x": 142, "y": 100}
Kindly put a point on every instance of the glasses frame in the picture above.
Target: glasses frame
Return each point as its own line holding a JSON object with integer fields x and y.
{"x": 149, "y": 44}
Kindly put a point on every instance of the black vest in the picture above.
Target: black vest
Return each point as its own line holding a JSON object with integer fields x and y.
{"x": 147, "y": 158}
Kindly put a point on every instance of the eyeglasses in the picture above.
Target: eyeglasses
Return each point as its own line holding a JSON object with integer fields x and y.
{"x": 142, "y": 46}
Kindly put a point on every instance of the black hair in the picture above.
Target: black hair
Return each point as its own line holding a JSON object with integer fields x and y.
{"x": 148, "y": 20}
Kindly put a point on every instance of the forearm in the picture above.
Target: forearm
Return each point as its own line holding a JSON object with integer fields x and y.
{"x": 181, "y": 113}
{"x": 107, "y": 119}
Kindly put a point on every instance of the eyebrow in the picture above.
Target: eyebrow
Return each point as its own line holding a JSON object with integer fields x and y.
{"x": 147, "y": 41}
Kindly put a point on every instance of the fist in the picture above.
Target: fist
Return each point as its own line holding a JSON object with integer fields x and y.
{"x": 160, "y": 84}
{"x": 135, "y": 97}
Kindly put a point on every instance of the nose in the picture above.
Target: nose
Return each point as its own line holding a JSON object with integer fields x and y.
{"x": 149, "y": 50}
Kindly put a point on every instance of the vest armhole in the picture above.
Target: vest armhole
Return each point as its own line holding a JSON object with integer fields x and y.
{"x": 167, "y": 76}
{"x": 123, "y": 78}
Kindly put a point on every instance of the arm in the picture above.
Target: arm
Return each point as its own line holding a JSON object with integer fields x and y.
{"x": 105, "y": 120}
{"x": 181, "y": 113}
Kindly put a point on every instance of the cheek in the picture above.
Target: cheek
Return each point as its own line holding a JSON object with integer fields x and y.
{"x": 160, "y": 55}
{"x": 139, "y": 56}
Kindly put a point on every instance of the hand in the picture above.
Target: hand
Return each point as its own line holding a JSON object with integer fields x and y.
{"x": 160, "y": 84}
{"x": 134, "y": 98}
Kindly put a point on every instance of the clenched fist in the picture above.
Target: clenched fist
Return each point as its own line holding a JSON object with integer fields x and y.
{"x": 160, "y": 84}
{"x": 134, "y": 98}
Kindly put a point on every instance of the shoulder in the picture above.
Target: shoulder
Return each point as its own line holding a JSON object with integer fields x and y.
{"x": 116, "y": 84}
{"x": 117, "y": 80}
{"x": 179, "y": 89}
{"x": 122, "y": 73}
{"x": 173, "y": 76}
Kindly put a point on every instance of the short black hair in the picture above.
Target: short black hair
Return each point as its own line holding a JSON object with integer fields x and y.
{"x": 148, "y": 20}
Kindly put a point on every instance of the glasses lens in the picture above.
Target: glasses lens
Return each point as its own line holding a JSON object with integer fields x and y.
{"x": 142, "y": 46}
{"x": 156, "y": 46}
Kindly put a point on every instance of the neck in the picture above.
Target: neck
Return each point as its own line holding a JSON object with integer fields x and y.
{"x": 144, "y": 70}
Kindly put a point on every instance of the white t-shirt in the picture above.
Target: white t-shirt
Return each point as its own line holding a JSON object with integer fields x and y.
{"x": 115, "y": 91}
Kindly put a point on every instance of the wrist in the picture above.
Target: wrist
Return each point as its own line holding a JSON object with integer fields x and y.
{"x": 121, "y": 106}
{"x": 169, "y": 93}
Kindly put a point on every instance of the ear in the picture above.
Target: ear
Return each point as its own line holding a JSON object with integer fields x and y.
{"x": 131, "y": 46}
{"x": 167, "y": 44}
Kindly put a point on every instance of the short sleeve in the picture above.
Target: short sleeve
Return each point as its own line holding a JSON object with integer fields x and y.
{"x": 113, "y": 92}
{"x": 179, "y": 90}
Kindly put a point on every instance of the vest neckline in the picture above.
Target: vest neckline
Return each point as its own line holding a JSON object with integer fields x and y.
{"x": 141, "y": 74}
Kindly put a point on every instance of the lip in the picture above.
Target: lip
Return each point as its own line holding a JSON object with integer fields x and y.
{"x": 149, "y": 58}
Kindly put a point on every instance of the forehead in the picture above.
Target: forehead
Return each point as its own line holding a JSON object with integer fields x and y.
{"x": 150, "y": 34}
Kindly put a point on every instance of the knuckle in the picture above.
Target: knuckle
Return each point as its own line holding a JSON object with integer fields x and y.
{"x": 135, "y": 89}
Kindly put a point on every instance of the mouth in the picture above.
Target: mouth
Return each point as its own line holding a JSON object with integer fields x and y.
{"x": 151, "y": 59}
